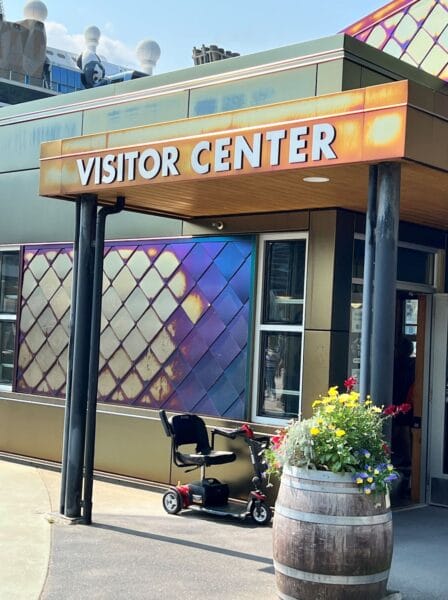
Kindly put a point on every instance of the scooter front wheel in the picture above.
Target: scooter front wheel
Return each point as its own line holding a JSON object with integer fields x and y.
{"x": 172, "y": 502}
{"x": 261, "y": 513}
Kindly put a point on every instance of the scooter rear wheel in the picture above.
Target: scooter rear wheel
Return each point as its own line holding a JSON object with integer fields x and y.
{"x": 172, "y": 502}
{"x": 261, "y": 513}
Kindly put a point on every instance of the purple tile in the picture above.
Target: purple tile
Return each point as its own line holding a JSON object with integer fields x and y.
{"x": 237, "y": 372}
{"x": 193, "y": 348}
{"x": 190, "y": 391}
{"x": 229, "y": 260}
{"x": 212, "y": 283}
{"x": 160, "y": 389}
{"x": 181, "y": 283}
{"x": 208, "y": 371}
{"x": 197, "y": 262}
{"x": 213, "y": 248}
{"x": 245, "y": 246}
{"x": 176, "y": 369}
{"x": 236, "y": 410}
{"x": 240, "y": 282}
{"x": 223, "y": 395}
{"x": 174, "y": 403}
{"x": 152, "y": 250}
{"x": 227, "y": 305}
{"x": 179, "y": 325}
{"x": 210, "y": 326}
{"x": 225, "y": 349}
{"x": 206, "y": 407}
{"x": 239, "y": 330}
{"x": 180, "y": 249}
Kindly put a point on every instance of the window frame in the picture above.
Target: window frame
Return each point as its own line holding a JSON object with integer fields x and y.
{"x": 11, "y": 317}
{"x": 260, "y": 327}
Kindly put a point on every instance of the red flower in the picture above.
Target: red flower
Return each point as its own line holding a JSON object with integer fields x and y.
{"x": 277, "y": 440}
{"x": 350, "y": 383}
{"x": 247, "y": 430}
{"x": 404, "y": 408}
{"x": 390, "y": 410}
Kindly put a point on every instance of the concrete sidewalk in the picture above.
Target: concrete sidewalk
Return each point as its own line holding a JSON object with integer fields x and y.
{"x": 134, "y": 550}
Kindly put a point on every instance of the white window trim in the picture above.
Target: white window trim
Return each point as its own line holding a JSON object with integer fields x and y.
{"x": 260, "y": 327}
{"x": 8, "y": 317}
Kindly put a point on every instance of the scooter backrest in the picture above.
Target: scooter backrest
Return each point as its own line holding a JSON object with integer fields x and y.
{"x": 190, "y": 429}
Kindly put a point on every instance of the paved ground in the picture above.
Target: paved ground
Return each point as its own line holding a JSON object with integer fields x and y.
{"x": 135, "y": 551}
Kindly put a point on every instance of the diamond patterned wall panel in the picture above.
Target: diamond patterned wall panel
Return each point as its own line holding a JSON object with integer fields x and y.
{"x": 174, "y": 330}
{"x": 415, "y": 31}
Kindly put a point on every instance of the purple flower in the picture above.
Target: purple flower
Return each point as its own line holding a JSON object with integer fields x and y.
{"x": 391, "y": 477}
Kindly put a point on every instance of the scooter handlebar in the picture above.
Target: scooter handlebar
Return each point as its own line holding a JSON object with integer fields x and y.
{"x": 244, "y": 431}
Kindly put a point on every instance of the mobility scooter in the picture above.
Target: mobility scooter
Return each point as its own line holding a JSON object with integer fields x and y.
{"x": 209, "y": 494}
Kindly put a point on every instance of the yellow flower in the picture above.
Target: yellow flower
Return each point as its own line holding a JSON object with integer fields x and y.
{"x": 354, "y": 396}
{"x": 367, "y": 491}
{"x": 333, "y": 391}
{"x": 340, "y": 432}
{"x": 344, "y": 398}
{"x": 314, "y": 430}
{"x": 367, "y": 402}
{"x": 330, "y": 408}
{"x": 369, "y": 479}
{"x": 376, "y": 472}
{"x": 320, "y": 421}
{"x": 351, "y": 405}
{"x": 331, "y": 427}
{"x": 316, "y": 403}
{"x": 390, "y": 467}
{"x": 375, "y": 409}
{"x": 358, "y": 480}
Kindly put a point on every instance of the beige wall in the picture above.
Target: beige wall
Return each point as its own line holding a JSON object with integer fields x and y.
{"x": 129, "y": 441}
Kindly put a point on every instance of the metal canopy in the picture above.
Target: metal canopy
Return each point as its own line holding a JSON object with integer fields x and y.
{"x": 257, "y": 160}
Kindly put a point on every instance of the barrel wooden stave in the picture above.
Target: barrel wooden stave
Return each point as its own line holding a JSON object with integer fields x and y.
{"x": 332, "y": 559}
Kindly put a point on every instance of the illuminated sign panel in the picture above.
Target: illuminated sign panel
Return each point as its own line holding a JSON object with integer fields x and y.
{"x": 356, "y": 126}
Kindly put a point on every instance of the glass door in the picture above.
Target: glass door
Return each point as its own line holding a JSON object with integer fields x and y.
{"x": 438, "y": 433}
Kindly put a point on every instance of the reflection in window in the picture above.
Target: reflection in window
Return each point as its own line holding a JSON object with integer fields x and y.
{"x": 280, "y": 327}
{"x": 413, "y": 265}
{"x": 284, "y": 282}
{"x": 280, "y": 374}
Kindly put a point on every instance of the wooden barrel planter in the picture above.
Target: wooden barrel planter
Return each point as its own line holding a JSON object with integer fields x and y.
{"x": 331, "y": 541}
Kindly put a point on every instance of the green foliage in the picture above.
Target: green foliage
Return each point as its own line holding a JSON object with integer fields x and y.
{"x": 343, "y": 435}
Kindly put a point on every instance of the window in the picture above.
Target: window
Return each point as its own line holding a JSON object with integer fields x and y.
{"x": 415, "y": 265}
{"x": 279, "y": 329}
{"x": 9, "y": 277}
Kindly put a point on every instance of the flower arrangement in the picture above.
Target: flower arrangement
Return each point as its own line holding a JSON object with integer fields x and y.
{"x": 343, "y": 435}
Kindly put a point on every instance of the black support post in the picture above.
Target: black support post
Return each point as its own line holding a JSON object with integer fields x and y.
{"x": 383, "y": 318}
{"x": 367, "y": 292}
{"x": 68, "y": 392}
{"x": 92, "y": 391}
{"x": 80, "y": 359}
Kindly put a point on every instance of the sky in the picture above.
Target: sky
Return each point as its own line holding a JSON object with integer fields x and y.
{"x": 244, "y": 26}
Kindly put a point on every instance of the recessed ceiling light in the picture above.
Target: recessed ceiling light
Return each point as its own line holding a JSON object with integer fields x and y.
{"x": 316, "y": 179}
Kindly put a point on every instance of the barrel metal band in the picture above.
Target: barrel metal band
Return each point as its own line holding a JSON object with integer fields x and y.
{"x": 284, "y": 596}
{"x": 307, "y": 517}
{"x": 331, "y": 579}
{"x": 326, "y": 489}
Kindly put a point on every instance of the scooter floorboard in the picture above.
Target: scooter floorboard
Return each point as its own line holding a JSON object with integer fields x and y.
{"x": 233, "y": 509}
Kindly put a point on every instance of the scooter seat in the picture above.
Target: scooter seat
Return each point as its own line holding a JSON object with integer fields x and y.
{"x": 214, "y": 457}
